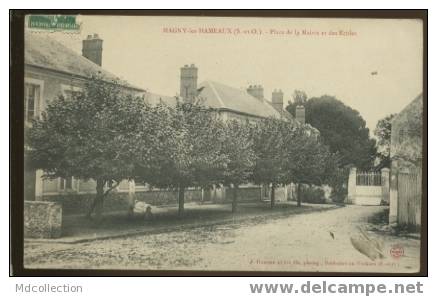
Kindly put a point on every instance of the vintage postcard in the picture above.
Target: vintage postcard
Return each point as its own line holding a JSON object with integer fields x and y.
{"x": 240, "y": 144}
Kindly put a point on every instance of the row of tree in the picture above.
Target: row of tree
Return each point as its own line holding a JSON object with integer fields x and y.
{"x": 108, "y": 135}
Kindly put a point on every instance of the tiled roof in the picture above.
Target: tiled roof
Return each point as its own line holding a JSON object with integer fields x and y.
{"x": 413, "y": 109}
{"x": 285, "y": 114}
{"x": 154, "y": 99}
{"x": 220, "y": 96}
{"x": 45, "y": 52}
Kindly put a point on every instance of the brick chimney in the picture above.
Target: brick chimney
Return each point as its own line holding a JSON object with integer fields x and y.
{"x": 278, "y": 100}
{"x": 300, "y": 114}
{"x": 256, "y": 91}
{"x": 92, "y": 49}
{"x": 188, "y": 82}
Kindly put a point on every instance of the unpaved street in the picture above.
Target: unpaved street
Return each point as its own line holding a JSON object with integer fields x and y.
{"x": 318, "y": 241}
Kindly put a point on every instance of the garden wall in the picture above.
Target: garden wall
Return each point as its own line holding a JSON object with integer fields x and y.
{"x": 42, "y": 219}
{"x": 77, "y": 204}
{"x": 245, "y": 193}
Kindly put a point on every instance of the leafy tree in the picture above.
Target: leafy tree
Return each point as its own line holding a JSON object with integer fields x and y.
{"x": 188, "y": 153}
{"x": 383, "y": 135}
{"x": 91, "y": 135}
{"x": 342, "y": 129}
{"x": 299, "y": 98}
{"x": 270, "y": 137}
{"x": 337, "y": 178}
{"x": 240, "y": 156}
{"x": 307, "y": 161}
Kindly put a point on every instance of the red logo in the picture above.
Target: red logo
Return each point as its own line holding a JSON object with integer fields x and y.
{"x": 397, "y": 251}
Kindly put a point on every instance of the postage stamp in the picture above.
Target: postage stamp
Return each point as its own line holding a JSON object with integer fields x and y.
{"x": 53, "y": 23}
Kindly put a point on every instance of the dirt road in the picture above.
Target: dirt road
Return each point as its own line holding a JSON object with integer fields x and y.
{"x": 318, "y": 241}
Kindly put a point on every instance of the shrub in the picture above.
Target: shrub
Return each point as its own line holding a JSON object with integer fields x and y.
{"x": 313, "y": 194}
{"x": 339, "y": 185}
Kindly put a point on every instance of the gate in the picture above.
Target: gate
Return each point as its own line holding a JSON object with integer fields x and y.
{"x": 368, "y": 188}
{"x": 409, "y": 198}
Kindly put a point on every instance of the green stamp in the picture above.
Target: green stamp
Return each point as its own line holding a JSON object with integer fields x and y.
{"x": 53, "y": 22}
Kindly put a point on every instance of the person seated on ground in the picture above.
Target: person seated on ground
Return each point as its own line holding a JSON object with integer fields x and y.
{"x": 148, "y": 215}
{"x": 143, "y": 209}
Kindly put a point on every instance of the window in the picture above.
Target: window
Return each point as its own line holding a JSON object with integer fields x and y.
{"x": 31, "y": 101}
{"x": 69, "y": 91}
{"x": 66, "y": 184}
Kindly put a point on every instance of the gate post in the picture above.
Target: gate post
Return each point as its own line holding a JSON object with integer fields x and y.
{"x": 385, "y": 184}
{"x": 351, "y": 185}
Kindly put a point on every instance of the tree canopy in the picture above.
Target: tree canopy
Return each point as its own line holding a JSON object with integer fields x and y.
{"x": 383, "y": 136}
{"x": 106, "y": 134}
{"x": 92, "y": 134}
{"x": 342, "y": 129}
{"x": 187, "y": 150}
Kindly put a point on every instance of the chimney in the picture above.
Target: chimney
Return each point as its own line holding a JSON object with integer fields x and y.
{"x": 278, "y": 100}
{"x": 188, "y": 82}
{"x": 256, "y": 91}
{"x": 92, "y": 49}
{"x": 300, "y": 114}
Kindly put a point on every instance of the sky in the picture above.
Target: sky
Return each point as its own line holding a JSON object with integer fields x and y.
{"x": 149, "y": 51}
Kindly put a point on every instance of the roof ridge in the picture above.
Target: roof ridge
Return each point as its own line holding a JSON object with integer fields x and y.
{"x": 70, "y": 52}
{"x": 266, "y": 104}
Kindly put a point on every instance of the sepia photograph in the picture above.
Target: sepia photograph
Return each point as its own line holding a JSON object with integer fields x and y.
{"x": 223, "y": 144}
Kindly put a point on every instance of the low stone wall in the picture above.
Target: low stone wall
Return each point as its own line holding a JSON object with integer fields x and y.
{"x": 368, "y": 195}
{"x": 164, "y": 197}
{"x": 42, "y": 219}
{"x": 245, "y": 193}
{"x": 77, "y": 204}
{"x": 74, "y": 204}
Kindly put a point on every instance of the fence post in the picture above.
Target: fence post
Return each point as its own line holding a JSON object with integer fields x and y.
{"x": 385, "y": 185}
{"x": 393, "y": 212}
{"x": 351, "y": 185}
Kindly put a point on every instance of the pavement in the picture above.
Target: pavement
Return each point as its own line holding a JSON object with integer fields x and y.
{"x": 317, "y": 240}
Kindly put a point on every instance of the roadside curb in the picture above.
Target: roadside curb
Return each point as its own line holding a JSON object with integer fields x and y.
{"x": 164, "y": 229}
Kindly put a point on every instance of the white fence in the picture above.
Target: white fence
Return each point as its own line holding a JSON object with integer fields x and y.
{"x": 368, "y": 188}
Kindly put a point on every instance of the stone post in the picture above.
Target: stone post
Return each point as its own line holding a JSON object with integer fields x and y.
{"x": 352, "y": 185}
{"x": 385, "y": 185}
{"x": 393, "y": 212}
{"x": 39, "y": 185}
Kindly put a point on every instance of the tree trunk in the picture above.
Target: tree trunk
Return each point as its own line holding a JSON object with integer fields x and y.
{"x": 299, "y": 196}
{"x": 97, "y": 205}
{"x": 181, "y": 200}
{"x": 272, "y": 196}
{"x": 234, "y": 198}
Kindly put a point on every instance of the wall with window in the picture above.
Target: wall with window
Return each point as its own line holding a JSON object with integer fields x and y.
{"x": 40, "y": 87}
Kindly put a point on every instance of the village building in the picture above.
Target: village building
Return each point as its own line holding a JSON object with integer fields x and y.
{"x": 52, "y": 69}
{"x": 406, "y": 164}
